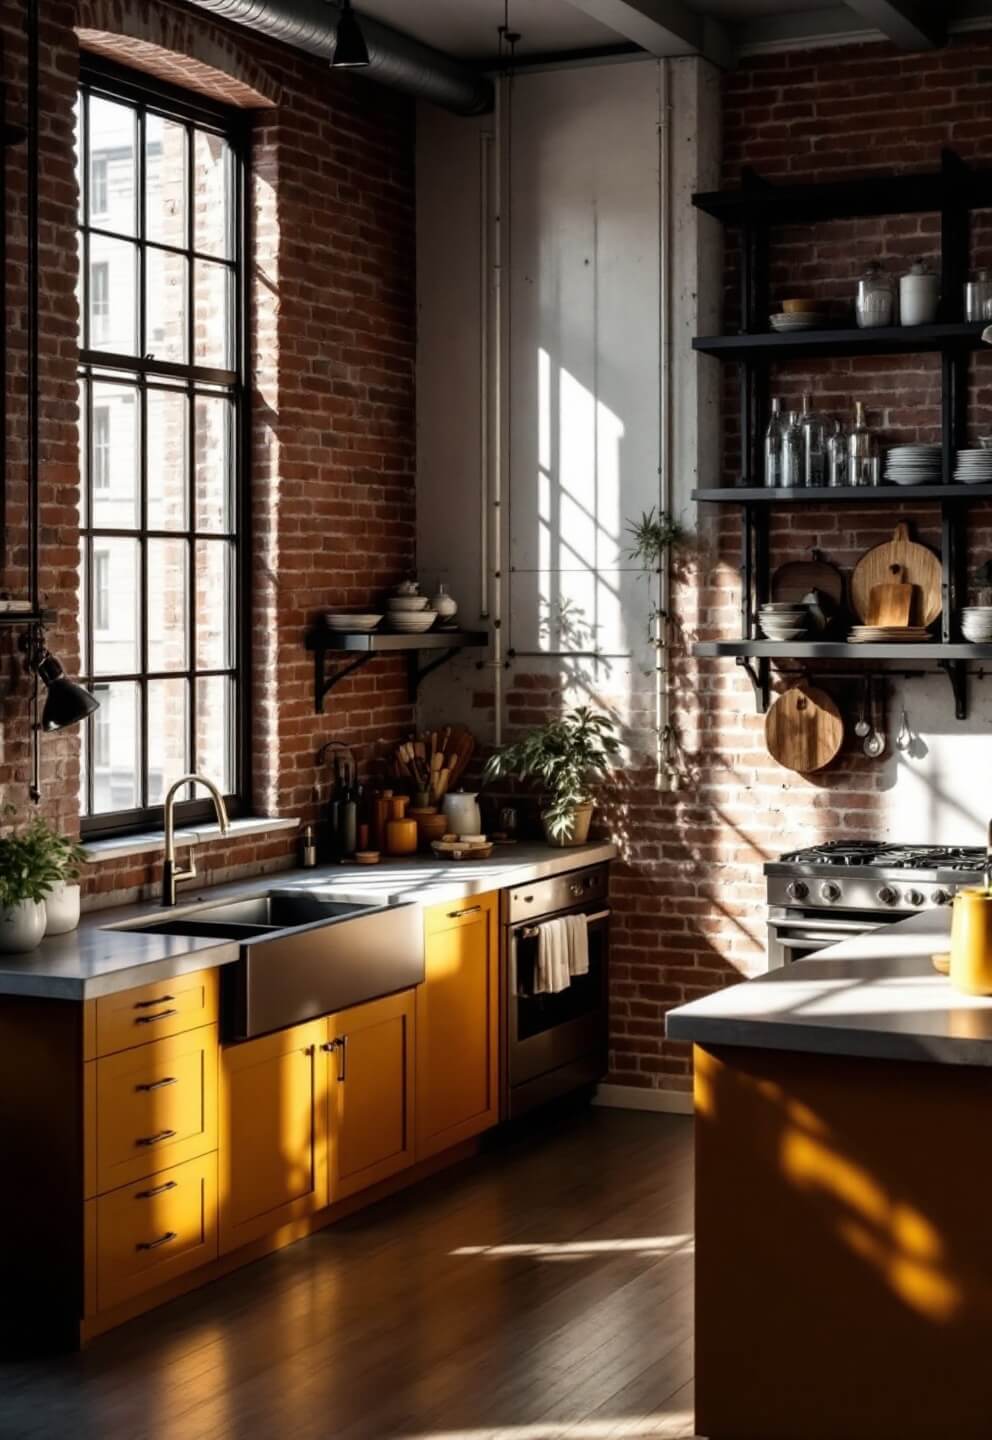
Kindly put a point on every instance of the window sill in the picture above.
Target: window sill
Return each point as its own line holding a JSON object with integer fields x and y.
{"x": 154, "y": 840}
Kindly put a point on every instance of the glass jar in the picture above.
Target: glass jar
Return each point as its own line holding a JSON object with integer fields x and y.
{"x": 837, "y": 456}
{"x": 978, "y": 296}
{"x": 793, "y": 471}
{"x": 862, "y": 449}
{"x": 814, "y": 446}
{"x": 875, "y": 301}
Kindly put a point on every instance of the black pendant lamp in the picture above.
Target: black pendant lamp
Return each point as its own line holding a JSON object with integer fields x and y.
{"x": 350, "y": 49}
{"x": 66, "y": 702}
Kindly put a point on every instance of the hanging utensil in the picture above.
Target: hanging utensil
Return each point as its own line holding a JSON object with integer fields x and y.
{"x": 875, "y": 741}
{"x": 862, "y": 727}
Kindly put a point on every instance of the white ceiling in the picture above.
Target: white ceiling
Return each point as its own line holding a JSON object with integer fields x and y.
{"x": 469, "y": 27}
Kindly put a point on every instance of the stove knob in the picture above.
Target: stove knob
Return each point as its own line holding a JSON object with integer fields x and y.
{"x": 915, "y": 897}
{"x": 887, "y": 895}
{"x": 797, "y": 890}
{"x": 940, "y": 897}
{"x": 830, "y": 891}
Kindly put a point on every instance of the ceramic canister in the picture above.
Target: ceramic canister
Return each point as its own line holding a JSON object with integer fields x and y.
{"x": 401, "y": 833}
{"x": 971, "y": 942}
{"x": 462, "y": 810}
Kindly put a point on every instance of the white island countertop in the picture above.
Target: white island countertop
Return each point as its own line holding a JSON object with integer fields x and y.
{"x": 98, "y": 959}
{"x": 876, "y": 997}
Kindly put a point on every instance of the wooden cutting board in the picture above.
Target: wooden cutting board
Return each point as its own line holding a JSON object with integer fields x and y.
{"x": 794, "y": 580}
{"x": 920, "y": 567}
{"x": 804, "y": 729}
{"x": 891, "y": 603}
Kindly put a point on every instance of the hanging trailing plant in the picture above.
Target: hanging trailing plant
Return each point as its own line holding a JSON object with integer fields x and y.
{"x": 652, "y": 536}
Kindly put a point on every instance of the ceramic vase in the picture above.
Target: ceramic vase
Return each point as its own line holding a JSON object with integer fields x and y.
{"x": 22, "y": 927}
{"x": 62, "y": 908}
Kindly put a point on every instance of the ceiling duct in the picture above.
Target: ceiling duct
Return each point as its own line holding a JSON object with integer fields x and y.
{"x": 395, "y": 59}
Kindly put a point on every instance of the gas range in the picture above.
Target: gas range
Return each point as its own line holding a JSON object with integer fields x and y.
{"x": 872, "y": 877}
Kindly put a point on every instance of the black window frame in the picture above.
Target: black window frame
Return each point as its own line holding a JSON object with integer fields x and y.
{"x": 114, "y": 82}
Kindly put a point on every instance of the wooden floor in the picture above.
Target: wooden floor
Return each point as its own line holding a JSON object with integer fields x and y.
{"x": 541, "y": 1291}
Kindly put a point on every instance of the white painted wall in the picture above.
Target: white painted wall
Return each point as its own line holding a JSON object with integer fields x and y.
{"x": 583, "y": 370}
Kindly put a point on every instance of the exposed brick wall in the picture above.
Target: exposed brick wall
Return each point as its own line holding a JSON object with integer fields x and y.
{"x": 333, "y": 341}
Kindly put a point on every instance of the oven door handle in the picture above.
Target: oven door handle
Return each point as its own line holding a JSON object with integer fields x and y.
{"x": 793, "y": 942}
{"x": 529, "y": 932}
{"x": 837, "y": 927}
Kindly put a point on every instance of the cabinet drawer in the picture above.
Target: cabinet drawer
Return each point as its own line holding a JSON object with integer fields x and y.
{"x": 167, "y": 1007}
{"x": 156, "y": 1105}
{"x": 151, "y": 1232}
{"x": 454, "y": 914}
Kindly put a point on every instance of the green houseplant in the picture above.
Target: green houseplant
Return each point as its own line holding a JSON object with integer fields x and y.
{"x": 35, "y": 863}
{"x": 567, "y": 756}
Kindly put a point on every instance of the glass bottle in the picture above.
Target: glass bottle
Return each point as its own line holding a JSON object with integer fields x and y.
{"x": 875, "y": 300}
{"x": 814, "y": 446}
{"x": 978, "y": 296}
{"x": 793, "y": 469}
{"x": 773, "y": 445}
{"x": 837, "y": 456}
{"x": 862, "y": 449}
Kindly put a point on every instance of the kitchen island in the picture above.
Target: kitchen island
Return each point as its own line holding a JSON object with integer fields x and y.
{"x": 843, "y": 1243}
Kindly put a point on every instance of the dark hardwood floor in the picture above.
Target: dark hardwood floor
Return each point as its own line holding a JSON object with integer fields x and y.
{"x": 541, "y": 1291}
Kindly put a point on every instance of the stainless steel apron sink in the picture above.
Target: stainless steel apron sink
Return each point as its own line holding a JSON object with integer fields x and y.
{"x": 301, "y": 956}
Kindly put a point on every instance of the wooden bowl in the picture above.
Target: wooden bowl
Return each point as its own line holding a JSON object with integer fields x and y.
{"x": 801, "y": 307}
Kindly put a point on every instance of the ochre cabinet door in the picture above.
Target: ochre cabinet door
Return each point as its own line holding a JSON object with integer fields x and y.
{"x": 457, "y": 1089}
{"x": 273, "y": 1132}
{"x": 370, "y": 1089}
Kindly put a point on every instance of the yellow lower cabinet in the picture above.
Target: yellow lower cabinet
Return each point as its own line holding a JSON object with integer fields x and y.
{"x": 370, "y": 1090}
{"x": 155, "y": 1230}
{"x": 273, "y": 1132}
{"x": 156, "y": 1105}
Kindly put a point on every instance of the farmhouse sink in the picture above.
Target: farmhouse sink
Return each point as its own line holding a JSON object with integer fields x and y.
{"x": 301, "y": 956}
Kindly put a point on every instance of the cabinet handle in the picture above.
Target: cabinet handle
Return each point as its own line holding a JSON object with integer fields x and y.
{"x": 158, "y": 1084}
{"x": 154, "y": 1244}
{"x": 469, "y": 910}
{"x": 155, "y": 1139}
{"x": 150, "y": 1019}
{"x": 158, "y": 1190}
{"x": 341, "y": 1045}
{"x": 150, "y": 1004}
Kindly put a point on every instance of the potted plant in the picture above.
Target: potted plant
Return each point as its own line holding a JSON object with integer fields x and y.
{"x": 37, "y": 867}
{"x": 568, "y": 756}
{"x": 63, "y": 855}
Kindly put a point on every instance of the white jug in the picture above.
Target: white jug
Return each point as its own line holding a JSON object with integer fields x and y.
{"x": 462, "y": 811}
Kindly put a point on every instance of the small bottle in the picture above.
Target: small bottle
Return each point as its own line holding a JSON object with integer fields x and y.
{"x": 837, "y": 456}
{"x": 862, "y": 449}
{"x": 308, "y": 848}
{"x": 773, "y": 445}
{"x": 814, "y": 446}
{"x": 792, "y": 451}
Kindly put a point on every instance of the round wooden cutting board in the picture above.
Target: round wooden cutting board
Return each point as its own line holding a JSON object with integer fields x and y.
{"x": 804, "y": 729}
{"x": 920, "y": 567}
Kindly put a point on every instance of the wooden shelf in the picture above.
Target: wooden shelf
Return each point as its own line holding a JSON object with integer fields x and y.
{"x": 364, "y": 645}
{"x": 840, "y": 494}
{"x": 933, "y": 650}
{"x": 881, "y": 340}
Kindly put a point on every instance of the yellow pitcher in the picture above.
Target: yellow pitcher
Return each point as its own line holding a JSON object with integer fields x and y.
{"x": 971, "y": 941}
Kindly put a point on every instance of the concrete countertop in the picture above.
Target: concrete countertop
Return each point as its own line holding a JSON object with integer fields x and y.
{"x": 876, "y": 997}
{"x": 96, "y": 960}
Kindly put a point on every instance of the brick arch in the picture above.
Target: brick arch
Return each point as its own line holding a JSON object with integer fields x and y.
{"x": 182, "y": 49}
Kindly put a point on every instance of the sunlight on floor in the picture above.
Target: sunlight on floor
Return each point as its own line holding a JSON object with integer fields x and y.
{"x": 670, "y": 1425}
{"x": 647, "y": 1246}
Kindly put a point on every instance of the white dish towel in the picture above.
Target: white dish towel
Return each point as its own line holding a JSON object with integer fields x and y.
{"x": 562, "y": 951}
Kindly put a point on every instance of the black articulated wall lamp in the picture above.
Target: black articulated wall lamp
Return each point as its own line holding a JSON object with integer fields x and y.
{"x": 350, "y": 49}
{"x": 66, "y": 702}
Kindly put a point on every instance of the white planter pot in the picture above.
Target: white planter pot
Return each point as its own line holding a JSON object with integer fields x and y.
{"x": 62, "y": 909}
{"x": 22, "y": 927}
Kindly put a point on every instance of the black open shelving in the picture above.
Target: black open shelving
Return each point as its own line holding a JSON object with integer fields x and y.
{"x": 364, "y": 645}
{"x": 952, "y": 192}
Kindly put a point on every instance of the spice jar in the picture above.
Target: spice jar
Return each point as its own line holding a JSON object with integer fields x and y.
{"x": 875, "y": 300}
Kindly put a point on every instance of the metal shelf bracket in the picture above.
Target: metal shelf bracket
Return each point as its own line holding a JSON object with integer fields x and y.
{"x": 416, "y": 672}
{"x": 324, "y": 681}
{"x": 957, "y": 673}
{"x": 758, "y": 674}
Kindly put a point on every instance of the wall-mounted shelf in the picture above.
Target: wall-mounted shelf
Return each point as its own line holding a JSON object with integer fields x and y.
{"x": 27, "y": 617}
{"x": 365, "y": 645}
{"x": 840, "y": 494}
{"x": 952, "y": 192}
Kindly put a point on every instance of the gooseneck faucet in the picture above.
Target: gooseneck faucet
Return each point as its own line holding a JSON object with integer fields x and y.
{"x": 170, "y": 875}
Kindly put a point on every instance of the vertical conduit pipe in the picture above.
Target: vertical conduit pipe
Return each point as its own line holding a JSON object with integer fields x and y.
{"x": 663, "y": 629}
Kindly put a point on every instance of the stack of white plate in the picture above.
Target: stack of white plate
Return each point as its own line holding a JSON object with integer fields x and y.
{"x": 974, "y": 467}
{"x": 889, "y": 635}
{"x": 343, "y": 620}
{"x": 409, "y": 615}
{"x": 976, "y": 624}
{"x": 783, "y": 620}
{"x": 786, "y": 323}
{"x": 913, "y": 465}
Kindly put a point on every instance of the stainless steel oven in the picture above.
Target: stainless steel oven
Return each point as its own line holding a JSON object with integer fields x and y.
{"x": 794, "y": 936}
{"x": 553, "y": 1044}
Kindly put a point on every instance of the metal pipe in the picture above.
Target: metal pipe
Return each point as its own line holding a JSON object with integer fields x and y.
{"x": 502, "y": 200}
{"x": 662, "y": 636}
{"x": 33, "y": 407}
{"x": 485, "y": 215}
{"x": 395, "y": 59}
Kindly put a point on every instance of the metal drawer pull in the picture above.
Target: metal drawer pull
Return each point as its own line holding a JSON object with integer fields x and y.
{"x": 469, "y": 910}
{"x": 158, "y": 1084}
{"x": 341, "y": 1045}
{"x": 150, "y": 1004}
{"x": 159, "y": 1190}
{"x": 532, "y": 931}
{"x": 148, "y": 1019}
{"x": 154, "y": 1244}
{"x": 156, "y": 1139}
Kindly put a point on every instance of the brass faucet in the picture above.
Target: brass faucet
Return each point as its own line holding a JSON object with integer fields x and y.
{"x": 170, "y": 875}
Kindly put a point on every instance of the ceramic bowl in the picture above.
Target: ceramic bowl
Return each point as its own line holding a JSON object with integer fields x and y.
{"x": 406, "y": 602}
{"x": 343, "y": 620}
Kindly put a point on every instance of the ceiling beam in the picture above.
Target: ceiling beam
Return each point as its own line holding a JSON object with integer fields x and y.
{"x": 908, "y": 24}
{"x": 663, "y": 27}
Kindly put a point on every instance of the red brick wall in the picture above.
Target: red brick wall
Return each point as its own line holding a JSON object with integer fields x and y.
{"x": 333, "y": 323}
